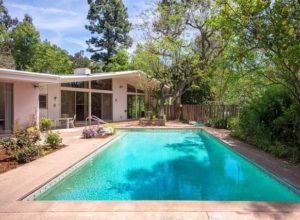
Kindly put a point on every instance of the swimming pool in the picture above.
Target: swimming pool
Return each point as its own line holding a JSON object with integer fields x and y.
{"x": 165, "y": 164}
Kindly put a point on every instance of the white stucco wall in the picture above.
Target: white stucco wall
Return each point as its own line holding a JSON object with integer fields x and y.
{"x": 53, "y": 101}
{"x": 119, "y": 99}
{"x": 26, "y": 105}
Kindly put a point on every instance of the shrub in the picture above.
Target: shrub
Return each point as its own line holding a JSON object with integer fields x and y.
{"x": 27, "y": 154}
{"x": 23, "y": 145}
{"x": 110, "y": 125}
{"x": 90, "y": 132}
{"x": 46, "y": 124}
{"x": 272, "y": 123}
{"x": 217, "y": 123}
{"x": 53, "y": 139}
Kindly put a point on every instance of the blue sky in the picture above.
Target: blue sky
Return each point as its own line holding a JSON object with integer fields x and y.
{"x": 62, "y": 21}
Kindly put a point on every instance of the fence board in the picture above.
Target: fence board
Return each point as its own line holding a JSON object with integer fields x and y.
{"x": 203, "y": 113}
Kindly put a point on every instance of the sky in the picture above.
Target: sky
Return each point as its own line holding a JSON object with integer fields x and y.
{"x": 62, "y": 21}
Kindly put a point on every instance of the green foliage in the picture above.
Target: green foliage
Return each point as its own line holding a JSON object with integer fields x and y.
{"x": 23, "y": 145}
{"x": 198, "y": 93}
{"x": 271, "y": 122}
{"x": 80, "y": 61}
{"x": 109, "y": 26}
{"x": 53, "y": 139}
{"x": 263, "y": 39}
{"x": 46, "y": 123}
{"x": 218, "y": 123}
{"x": 27, "y": 154}
{"x": 110, "y": 125}
{"x": 6, "y": 25}
{"x": 119, "y": 62}
{"x": 49, "y": 58}
{"x": 25, "y": 40}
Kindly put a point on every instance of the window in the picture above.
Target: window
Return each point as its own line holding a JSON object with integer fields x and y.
{"x": 82, "y": 84}
{"x": 43, "y": 101}
{"x": 105, "y": 84}
{"x": 140, "y": 91}
{"x": 130, "y": 88}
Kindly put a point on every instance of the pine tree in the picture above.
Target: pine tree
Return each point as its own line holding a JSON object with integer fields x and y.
{"x": 109, "y": 26}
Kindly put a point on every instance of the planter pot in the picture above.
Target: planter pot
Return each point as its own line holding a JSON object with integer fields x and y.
{"x": 152, "y": 122}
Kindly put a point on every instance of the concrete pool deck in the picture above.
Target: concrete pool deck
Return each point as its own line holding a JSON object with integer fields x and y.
{"x": 19, "y": 182}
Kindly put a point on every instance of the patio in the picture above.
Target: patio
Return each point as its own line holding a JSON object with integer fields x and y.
{"x": 17, "y": 183}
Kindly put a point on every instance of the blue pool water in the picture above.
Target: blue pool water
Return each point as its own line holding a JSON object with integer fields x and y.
{"x": 168, "y": 165}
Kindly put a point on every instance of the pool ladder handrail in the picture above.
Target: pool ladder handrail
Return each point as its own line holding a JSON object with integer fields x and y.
{"x": 93, "y": 118}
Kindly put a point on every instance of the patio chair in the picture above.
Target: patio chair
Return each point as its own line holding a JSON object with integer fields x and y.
{"x": 72, "y": 121}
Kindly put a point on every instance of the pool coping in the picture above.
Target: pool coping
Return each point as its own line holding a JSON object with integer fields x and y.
{"x": 10, "y": 207}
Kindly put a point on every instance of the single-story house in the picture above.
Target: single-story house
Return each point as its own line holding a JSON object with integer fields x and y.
{"x": 25, "y": 97}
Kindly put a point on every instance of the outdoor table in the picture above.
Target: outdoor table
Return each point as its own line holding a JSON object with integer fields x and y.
{"x": 67, "y": 121}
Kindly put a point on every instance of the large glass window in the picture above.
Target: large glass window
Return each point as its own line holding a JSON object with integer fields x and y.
{"x": 102, "y": 105}
{"x": 105, "y": 84}
{"x": 67, "y": 104}
{"x": 82, "y": 84}
{"x": 97, "y": 104}
{"x": 135, "y": 106}
{"x": 130, "y": 88}
{"x": 74, "y": 103}
{"x": 6, "y": 107}
{"x": 82, "y": 106}
{"x": 107, "y": 106}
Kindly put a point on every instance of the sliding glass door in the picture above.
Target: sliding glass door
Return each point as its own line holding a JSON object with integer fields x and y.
{"x": 102, "y": 105}
{"x": 74, "y": 103}
{"x": 135, "y": 106}
{"x": 6, "y": 108}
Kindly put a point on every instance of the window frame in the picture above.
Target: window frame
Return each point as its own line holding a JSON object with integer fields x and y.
{"x": 46, "y": 101}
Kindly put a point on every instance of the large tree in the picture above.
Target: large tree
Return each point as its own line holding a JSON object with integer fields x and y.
{"x": 268, "y": 33}
{"x": 49, "y": 58}
{"x": 109, "y": 26}
{"x": 25, "y": 39}
{"x": 181, "y": 45}
{"x": 6, "y": 25}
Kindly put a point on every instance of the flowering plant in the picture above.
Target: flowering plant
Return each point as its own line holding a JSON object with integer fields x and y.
{"x": 90, "y": 132}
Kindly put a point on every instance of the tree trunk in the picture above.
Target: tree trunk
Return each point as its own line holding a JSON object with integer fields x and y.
{"x": 162, "y": 107}
{"x": 178, "y": 107}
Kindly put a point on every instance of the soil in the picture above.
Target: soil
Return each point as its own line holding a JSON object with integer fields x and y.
{"x": 6, "y": 162}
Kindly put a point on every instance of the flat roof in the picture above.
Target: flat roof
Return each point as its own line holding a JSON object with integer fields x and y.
{"x": 45, "y": 78}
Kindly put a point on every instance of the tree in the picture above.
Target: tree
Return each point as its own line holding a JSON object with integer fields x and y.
{"x": 6, "y": 25}
{"x": 270, "y": 30}
{"x": 176, "y": 59}
{"x": 25, "y": 39}
{"x": 109, "y": 26}
{"x": 119, "y": 62}
{"x": 49, "y": 58}
{"x": 80, "y": 61}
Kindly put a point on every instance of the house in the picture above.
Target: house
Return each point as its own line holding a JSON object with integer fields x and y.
{"x": 25, "y": 97}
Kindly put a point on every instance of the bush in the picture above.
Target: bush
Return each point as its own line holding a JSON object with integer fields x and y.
{"x": 53, "y": 139}
{"x": 112, "y": 126}
{"x": 23, "y": 145}
{"x": 90, "y": 132}
{"x": 46, "y": 124}
{"x": 272, "y": 123}
{"x": 27, "y": 154}
{"x": 217, "y": 123}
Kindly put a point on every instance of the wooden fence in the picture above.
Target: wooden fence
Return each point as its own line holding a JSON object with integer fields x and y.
{"x": 202, "y": 113}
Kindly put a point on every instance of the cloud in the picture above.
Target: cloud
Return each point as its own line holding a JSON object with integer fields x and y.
{"x": 26, "y": 7}
{"x": 62, "y": 22}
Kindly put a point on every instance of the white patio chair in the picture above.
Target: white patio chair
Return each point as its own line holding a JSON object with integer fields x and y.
{"x": 72, "y": 121}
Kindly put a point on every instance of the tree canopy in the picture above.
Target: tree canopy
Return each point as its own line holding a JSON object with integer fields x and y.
{"x": 109, "y": 27}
